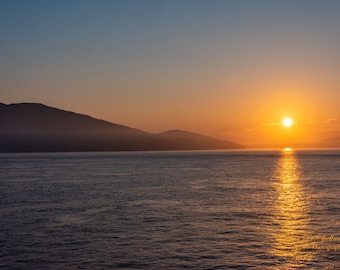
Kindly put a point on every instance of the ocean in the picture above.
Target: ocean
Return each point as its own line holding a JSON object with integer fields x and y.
{"x": 171, "y": 210}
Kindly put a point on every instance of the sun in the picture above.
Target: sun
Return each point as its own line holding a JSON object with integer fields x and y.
{"x": 287, "y": 122}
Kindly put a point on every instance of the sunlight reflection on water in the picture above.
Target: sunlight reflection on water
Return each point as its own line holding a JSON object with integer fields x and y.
{"x": 291, "y": 214}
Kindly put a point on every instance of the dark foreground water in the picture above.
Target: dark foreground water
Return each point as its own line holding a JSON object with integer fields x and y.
{"x": 170, "y": 210}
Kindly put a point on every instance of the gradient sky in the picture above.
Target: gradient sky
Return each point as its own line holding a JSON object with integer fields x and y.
{"x": 229, "y": 69}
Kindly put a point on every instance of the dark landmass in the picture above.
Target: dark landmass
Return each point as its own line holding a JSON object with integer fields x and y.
{"x": 192, "y": 141}
{"x": 32, "y": 127}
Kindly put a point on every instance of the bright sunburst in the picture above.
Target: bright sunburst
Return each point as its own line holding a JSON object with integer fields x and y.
{"x": 287, "y": 122}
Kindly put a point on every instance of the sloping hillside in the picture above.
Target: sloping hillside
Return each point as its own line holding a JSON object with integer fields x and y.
{"x": 190, "y": 141}
{"x": 32, "y": 127}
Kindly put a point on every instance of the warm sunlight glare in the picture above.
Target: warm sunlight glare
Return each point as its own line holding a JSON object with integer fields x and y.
{"x": 287, "y": 122}
{"x": 288, "y": 149}
{"x": 290, "y": 214}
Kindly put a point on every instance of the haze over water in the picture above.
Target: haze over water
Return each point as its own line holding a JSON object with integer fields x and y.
{"x": 171, "y": 210}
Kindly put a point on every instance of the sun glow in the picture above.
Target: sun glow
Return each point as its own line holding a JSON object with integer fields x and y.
{"x": 287, "y": 122}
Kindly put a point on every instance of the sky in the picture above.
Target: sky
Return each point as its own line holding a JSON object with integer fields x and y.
{"x": 228, "y": 69}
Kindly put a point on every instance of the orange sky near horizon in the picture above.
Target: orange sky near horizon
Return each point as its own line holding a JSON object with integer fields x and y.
{"x": 227, "y": 69}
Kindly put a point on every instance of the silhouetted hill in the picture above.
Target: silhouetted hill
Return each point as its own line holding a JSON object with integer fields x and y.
{"x": 32, "y": 127}
{"x": 190, "y": 141}
{"x": 34, "y": 116}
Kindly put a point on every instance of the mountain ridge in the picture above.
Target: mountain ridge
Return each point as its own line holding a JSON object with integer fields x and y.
{"x": 35, "y": 127}
{"x": 37, "y": 108}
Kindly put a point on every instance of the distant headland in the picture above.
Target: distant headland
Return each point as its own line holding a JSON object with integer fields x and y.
{"x": 33, "y": 127}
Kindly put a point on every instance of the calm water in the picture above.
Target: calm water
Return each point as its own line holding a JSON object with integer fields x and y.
{"x": 170, "y": 210}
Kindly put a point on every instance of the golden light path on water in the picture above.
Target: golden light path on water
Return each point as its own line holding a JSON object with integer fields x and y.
{"x": 291, "y": 207}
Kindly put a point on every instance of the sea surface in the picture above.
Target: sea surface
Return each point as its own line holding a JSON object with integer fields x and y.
{"x": 171, "y": 210}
